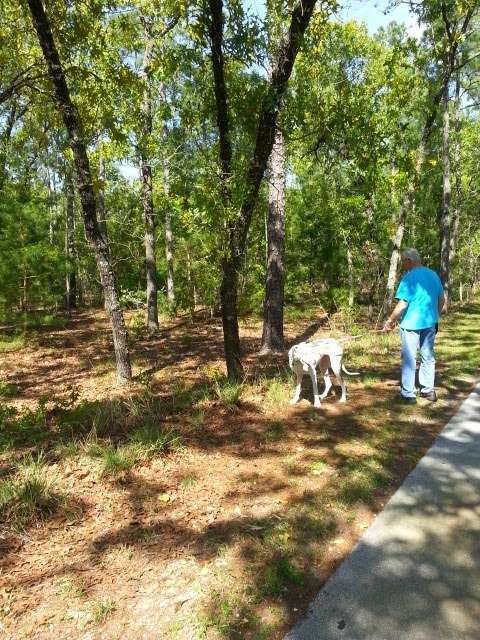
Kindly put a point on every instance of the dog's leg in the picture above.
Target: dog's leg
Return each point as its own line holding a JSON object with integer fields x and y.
{"x": 313, "y": 376}
{"x": 328, "y": 384}
{"x": 296, "y": 397}
{"x": 337, "y": 370}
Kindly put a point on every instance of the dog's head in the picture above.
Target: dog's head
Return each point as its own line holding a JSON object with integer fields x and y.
{"x": 292, "y": 354}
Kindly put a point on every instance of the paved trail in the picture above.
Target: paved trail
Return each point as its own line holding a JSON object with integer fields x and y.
{"x": 415, "y": 575}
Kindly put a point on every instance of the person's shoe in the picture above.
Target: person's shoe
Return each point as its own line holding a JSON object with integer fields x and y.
{"x": 431, "y": 395}
{"x": 405, "y": 400}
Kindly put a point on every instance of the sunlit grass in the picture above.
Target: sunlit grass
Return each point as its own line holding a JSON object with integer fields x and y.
{"x": 30, "y": 495}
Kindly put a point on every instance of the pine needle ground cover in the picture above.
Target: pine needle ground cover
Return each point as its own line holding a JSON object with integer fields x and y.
{"x": 186, "y": 507}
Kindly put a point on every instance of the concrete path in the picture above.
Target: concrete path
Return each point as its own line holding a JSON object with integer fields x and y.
{"x": 415, "y": 574}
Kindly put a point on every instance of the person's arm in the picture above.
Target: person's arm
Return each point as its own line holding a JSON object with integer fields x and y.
{"x": 441, "y": 303}
{"x": 395, "y": 315}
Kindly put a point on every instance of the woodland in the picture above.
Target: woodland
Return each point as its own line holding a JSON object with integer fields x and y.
{"x": 368, "y": 143}
{"x": 187, "y": 188}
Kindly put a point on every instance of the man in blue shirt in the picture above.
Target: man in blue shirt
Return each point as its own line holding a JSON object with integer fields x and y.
{"x": 420, "y": 302}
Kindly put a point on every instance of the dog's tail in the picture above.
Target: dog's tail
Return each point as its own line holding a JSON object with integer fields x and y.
{"x": 349, "y": 373}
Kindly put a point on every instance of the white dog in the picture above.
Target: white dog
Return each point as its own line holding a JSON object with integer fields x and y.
{"x": 305, "y": 357}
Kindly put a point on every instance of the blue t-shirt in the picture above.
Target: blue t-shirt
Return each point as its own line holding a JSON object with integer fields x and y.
{"x": 421, "y": 288}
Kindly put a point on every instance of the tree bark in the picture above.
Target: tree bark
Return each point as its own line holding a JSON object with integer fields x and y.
{"x": 70, "y": 252}
{"x": 445, "y": 219}
{"x": 147, "y": 179}
{"x": 272, "y": 337}
{"x": 238, "y": 228}
{"x": 85, "y": 187}
{"x": 351, "y": 287}
{"x": 458, "y": 171}
{"x": 168, "y": 238}
{"x": 102, "y": 178}
{"x": 5, "y": 139}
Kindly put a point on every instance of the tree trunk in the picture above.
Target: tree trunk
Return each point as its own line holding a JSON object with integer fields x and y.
{"x": 5, "y": 139}
{"x": 169, "y": 259}
{"x": 272, "y": 338}
{"x": 267, "y": 120}
{"x": 351, "y": 287}
{"x": 70, "y": 252}
{"x": 102, "y": 179}
{"x": 231, "y": 335}
{"x": 458, "y": 172}
{"x": 147, "y": 179}
{"x": 395, "y": 257}
{"x": 52, "y": 206}
{"x": 168, "y": 238}
{"x": 85, "y": 186}
{"x": 445, "y": 219}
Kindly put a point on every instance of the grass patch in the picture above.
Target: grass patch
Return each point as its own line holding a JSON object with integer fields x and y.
{"x": 149, "y": 441}
{"x": 279, "y": 576}
{"x": 228, "y": 393}
{"x": 277, "y": 393}
{"x": 7, "y": 389}
{"x": 12, "y": 343}
{"x": 361, "y": 479}
{"x": 144, "y": 443}
{"x": 230, "y": 615}
{"x": 188, "y": 481}
{"x": 274, "y": 432}
{"x": 197, "y": 419}
{"x": 101, "y": 609}
{"x": 30, "y": 496}
{"x": 20, "y": 429}
{"x": 183, "y": 398}
{"x": 317, "y": 467}
{"x": 117, "y": 460}
{"x": 370, "y": 379}
{"x": 68, "y": 587}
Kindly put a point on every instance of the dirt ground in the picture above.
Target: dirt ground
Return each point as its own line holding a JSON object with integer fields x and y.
{"x": 228, "y": 536}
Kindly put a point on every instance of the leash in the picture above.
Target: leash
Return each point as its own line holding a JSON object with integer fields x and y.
{"x": 361, "y": 335}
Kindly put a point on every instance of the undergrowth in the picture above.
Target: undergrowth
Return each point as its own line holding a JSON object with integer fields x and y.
{"x": 30, "y": 495}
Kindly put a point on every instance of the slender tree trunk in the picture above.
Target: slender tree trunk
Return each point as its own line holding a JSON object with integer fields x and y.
{"x": 102, "y": 178}
{"x": 191, "y": 282}
{"x": 52, "y": 211}
{"x": 168, "y": 238}
{"x": 445, "y": 220}
{"x": 85, "y": 186}
{"x": 169, "y": 259}
{"x": 272, "y": 338}
{"x": 351, "y": 287}
{"x": 267, "y": 121}
{"x": 5, "y": 139}
{"x": 458, "y": 171}
{"x": 147, "y": 178}
{"x": 71, "y": 274}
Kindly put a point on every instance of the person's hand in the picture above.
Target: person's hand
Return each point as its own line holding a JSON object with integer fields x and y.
{"x": 389, "y": 325}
